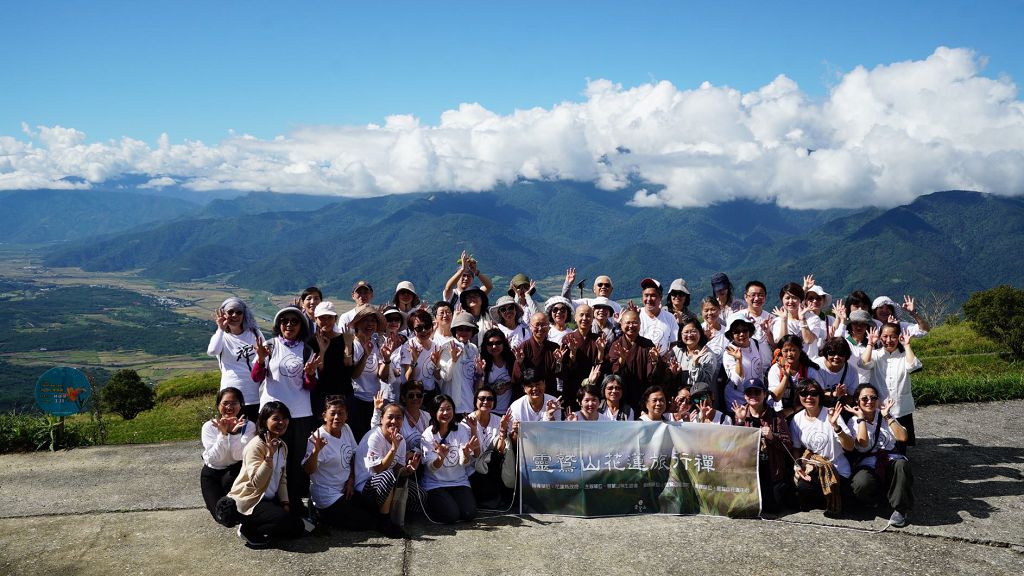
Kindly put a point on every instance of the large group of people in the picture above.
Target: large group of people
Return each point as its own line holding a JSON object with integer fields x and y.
{"x": 400, "y": 406}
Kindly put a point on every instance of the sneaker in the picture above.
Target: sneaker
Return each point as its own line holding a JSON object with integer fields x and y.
{"x": 898, "y": 519}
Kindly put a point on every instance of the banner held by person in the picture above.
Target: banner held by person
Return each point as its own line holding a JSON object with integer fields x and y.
{"x": 616, "y": 468}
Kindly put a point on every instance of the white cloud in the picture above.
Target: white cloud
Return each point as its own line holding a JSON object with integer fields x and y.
{"x": 881, "y": 136}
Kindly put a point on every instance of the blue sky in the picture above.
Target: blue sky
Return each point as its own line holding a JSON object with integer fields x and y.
{"x": 713, "y": 101}
{"x": 197, "y": 69}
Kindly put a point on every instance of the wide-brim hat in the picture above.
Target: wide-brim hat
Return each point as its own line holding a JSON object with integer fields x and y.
{"x": 720, "y": 281}
{"x": 519, "y": 280}
{"x": 883, "y": 301}
{"x": 602, "y": 302}
{"x": 679, "y": 285}
{"x": 474, "y": 290}
{"x": 860, "y": 317}
{"x": 406, "y": 285}
{"x": 736, "y": 324}
{"x": 464, "y": 320}
{"x": 556, "y": 300}
{"x": 388, "y": 310}
{"x": 364, "y": 311}
{"x": 504, "y": 301}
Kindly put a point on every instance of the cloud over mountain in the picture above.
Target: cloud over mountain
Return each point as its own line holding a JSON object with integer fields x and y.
{"x": 881, "y": 136}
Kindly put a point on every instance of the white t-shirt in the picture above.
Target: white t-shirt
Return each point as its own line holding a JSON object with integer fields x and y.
{"x": 814, "y": 324}
{"x": 333, "y": 466}
{"x": 661, "y": 329}
{"x": 458, "y": 379}
{"x": 624, "y": 410}
{"x": 886, "y": 439}
{"x": 371, "y": 451}
{"x": 285, "y": 378}
{"x": 829, "y": 379}
{"x": 425, "y": 368}
{"x": 220, "y": 451}
{"x": 501, "y": 381}
{"x": 455, "y": 469}
{"x": 523, "y": 412}
{"x": 556, "y": 335}
{"x": 755, "y": 357}
{"x": 816, "y": 435}
{"x": 789, "y": 397}
{"x": 517, "y": 335}
{"x": 366, "y": 386}
{"x": 236, "y": 355}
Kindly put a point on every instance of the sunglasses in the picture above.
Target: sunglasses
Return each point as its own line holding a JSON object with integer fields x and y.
{"x": 508, "y": 308}
{"x": 289, "y": 322}
{"x": 867, "y": 399}
{"x": 414, "y": 395}
{"x": 422, "y": 327}
{"x": 604, "y": 285}
{"x": 234, "y": 312}
{"x": 485, "y": 398}
{"x": 813, "y": 393}
{"x": 493, "y": 343}
{"x": 699, "y": 399}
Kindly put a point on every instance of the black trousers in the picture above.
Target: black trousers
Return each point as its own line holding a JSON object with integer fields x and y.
{"x": 354, "y": 514}
{"x": 295, "y": 438}
{"x": 215, "y": 484}
{"x": 867, "y": 487}
{"x": 269, "y": 521}
{"x": 450, "y": 505}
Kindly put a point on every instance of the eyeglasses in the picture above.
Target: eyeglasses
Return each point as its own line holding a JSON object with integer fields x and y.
{"x": 290, "y": 321}
{"x": 227, "y": 403}
{"x": 683, "y": 399}
{"x": 422, "y": 327}
{"x": 866, "y": 399}
{"x": 493, "y": 343}
{"x": 756, "y": 295}
{"x": 813, "y": 393}
{"x": 610, "y": 388}
{"x": 414, "y": 395}
{"x": 485, "y": 398}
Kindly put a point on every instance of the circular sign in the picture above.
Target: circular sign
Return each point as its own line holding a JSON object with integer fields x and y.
{"x": 62, "y": 391}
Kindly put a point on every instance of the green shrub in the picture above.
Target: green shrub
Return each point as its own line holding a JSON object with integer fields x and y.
{"x": 190, "y": 386}
{"x": 998, "y": 314}
{"x": 126, "y": 394}
{"x": 27, "y": 432}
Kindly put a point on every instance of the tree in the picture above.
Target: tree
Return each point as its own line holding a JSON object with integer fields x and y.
{"x": 998, "y": 313}
{"x": 126, "y": 394}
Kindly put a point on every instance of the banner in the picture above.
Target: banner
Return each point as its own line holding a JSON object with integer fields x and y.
{"x": 616, "y": 468}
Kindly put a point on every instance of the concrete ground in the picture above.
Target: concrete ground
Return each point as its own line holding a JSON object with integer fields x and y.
{"x": 137, "y": 510}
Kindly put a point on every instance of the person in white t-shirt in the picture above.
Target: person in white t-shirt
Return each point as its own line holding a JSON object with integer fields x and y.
{"x": 559, "y": 311}
{"x": 507, "y": 315}
{"x": 656, "y": 324}
{"x": 362, "y": 295}
{"x": 875, "y": 469}
{"x": 602, "y": 289}
{"x": 499, "y": 361}
{"x": 820, "y": 440}
{"x": 756, "y": 294}
{"x": 233, "y": 347}
{"x": 330, "y": 463}
{"x": 386, "y": 464}
{"x": 795, "y": 318}
{"x": 449, "y": 450}
{"x": 534, "y": 405}
{"x": 885, "y": 310}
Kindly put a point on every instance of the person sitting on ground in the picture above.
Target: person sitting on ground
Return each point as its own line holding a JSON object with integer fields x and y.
{"x": 612, "y": 406}
{"x": 260, "y": 492}
{"x": 449, "y": 449}
{"x": 330, "y": 464}
{"x": 589, "y": 400}
{"x": 384, "y": 465}
{"x": 233, "y": 345}
{"x": 773, "y": 471}
{"x": 415, "y": 420}
{"x": 224, "y": 440}
{"x": 875, "y": 466}
{"x": 701, "y": 406}
{"x": 486, "y": 482}
{"x": 820, "y": 442}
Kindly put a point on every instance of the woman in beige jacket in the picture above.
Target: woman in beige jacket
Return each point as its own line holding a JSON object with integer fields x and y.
{"x": 260, "y": 491}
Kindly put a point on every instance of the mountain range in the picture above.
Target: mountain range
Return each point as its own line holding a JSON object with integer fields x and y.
{"x": 954, "y": 242}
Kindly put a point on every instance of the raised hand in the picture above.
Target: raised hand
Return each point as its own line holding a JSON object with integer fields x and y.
{"x": 570, "y": 275}
{"x": 839, "y": 311}
{"x": 396, "y": 440}
{"x": 318, "y": 440}
{"x": 873, "y": 335}
{"x": 378, "y": 400}
{"x": 314, "y": 363}
{"x": 240, "y": 423}
{"x": 505, "y": 422}
{"x": 908, "y": 303}
{"x": 707, "y": 411}
{"x": 224, "y": 423}
{"x": 519, "y": 353}
{"x": 673, "y": 365}
{"x": 595, "y": 374}
{"x": 471, "y": 448}
{"x": 739, "y": 412}
{"x": 734, "y": 352}
{"x": 262, "y": 351}
{"x": 553, "y": 406}
{"x": 323, "y": 340}
{"x": 808, "y": 282}
{"x": 455, "y": 350}
{"x": 886, "y": 407}
{"x": 222, "y": 320}
{"x": 835, "y": 413}
{"x": 481, "y": 365}
{"x": 435, "y": 355}
{"x": 631, "y": 306}
{"x": 571, "y": 417}
{"x": 470, "y": 421}
{"x": 905, "y": 337}
{"x": 779, "y": 312}
{"x": 442, "y": 451}
{"x": 654, "y": 354}
{"x": 839, "y": 391}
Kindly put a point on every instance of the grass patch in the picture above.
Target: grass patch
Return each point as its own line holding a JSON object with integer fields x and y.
{"x": 189, "y": 386}
{"x": 175, "y": 419}
{"x": 955, "y": 339}
{"x": 31, "y": 431}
